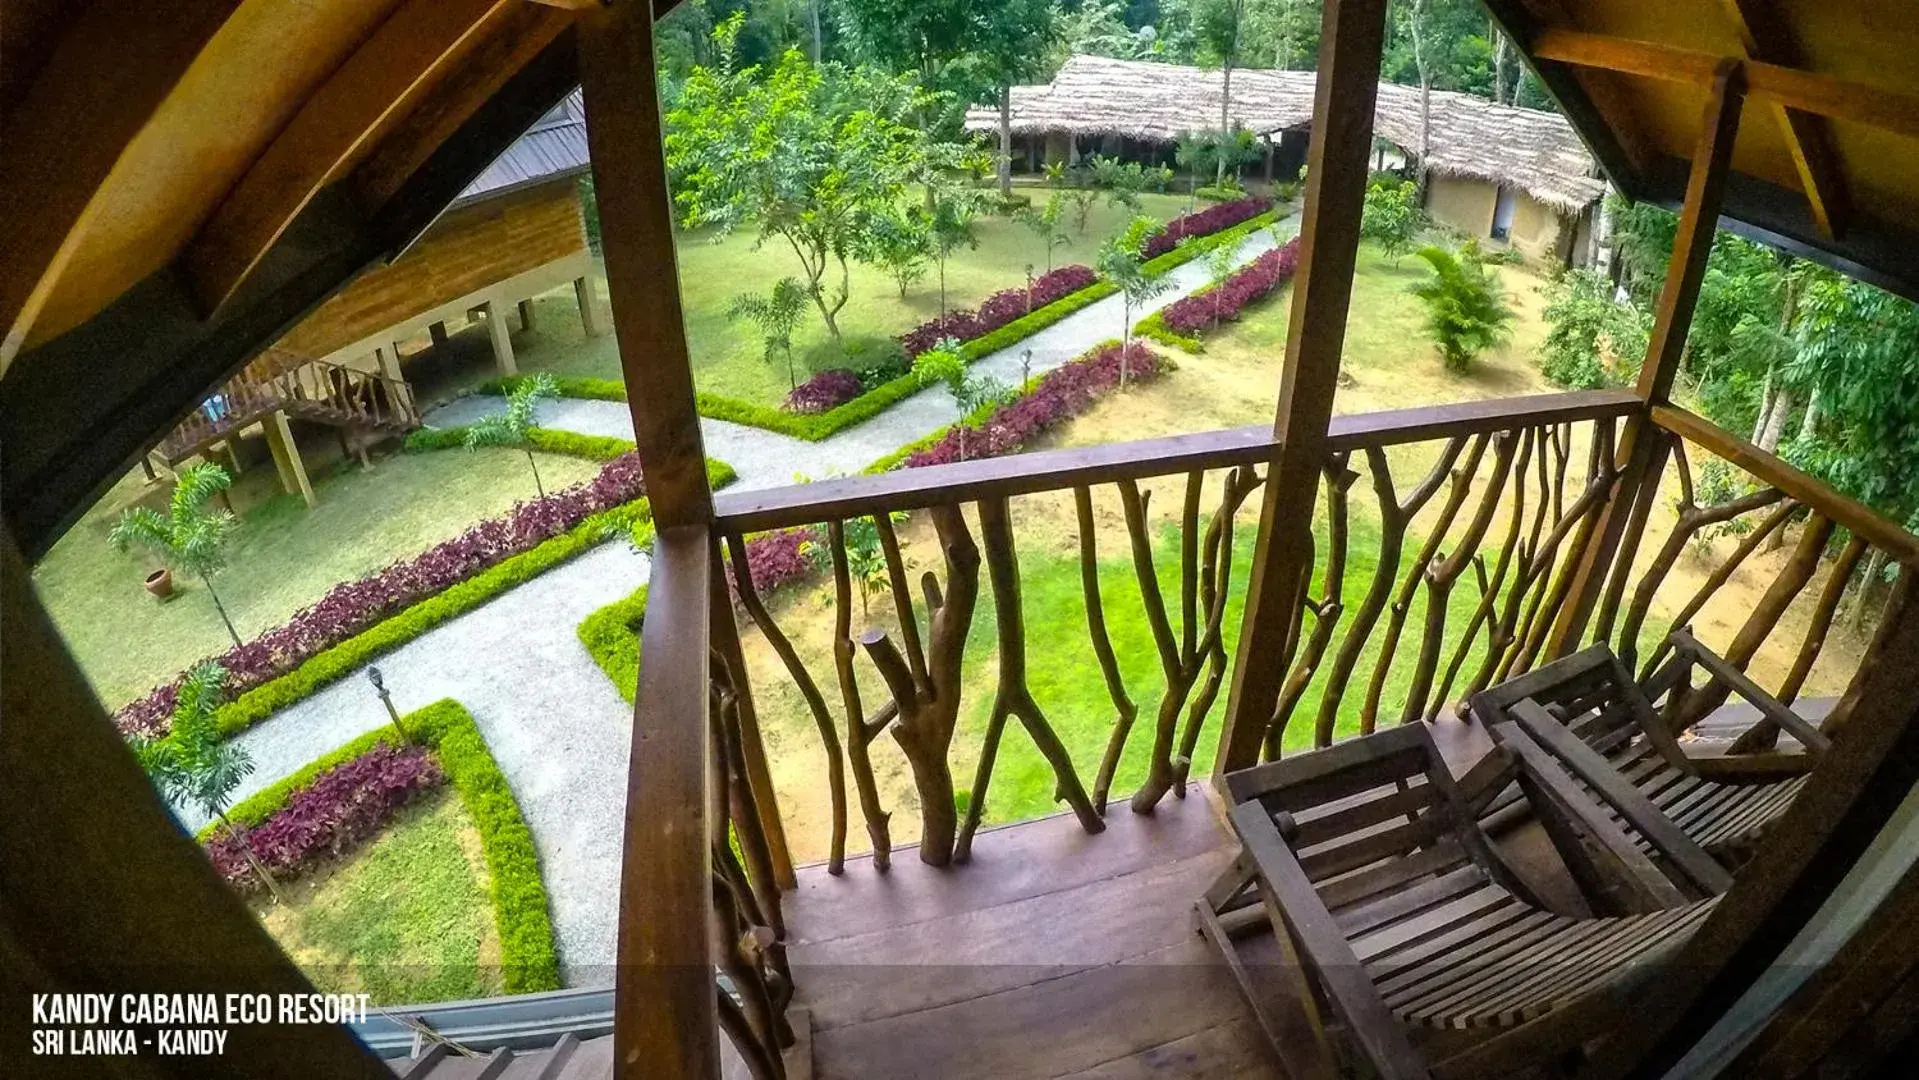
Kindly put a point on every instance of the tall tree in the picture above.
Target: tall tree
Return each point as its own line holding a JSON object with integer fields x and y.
{"x": 189, "y": 536}
{"x": 1008, "y": 43}
{"x": 1122, "y": 261}
{"x": 808, "y": 153}
{"x": 1216, "y": 26}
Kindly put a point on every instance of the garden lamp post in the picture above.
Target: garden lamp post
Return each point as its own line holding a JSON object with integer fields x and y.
{"x": 1026, "y": 370}
{"x": 386, "y": 698}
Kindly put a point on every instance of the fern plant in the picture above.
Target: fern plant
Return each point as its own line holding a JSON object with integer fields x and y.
{"x": 777, "y": 314}
{"x": 189, "y": 537}
{"x": 1465, "y": 311}
{"x": 512, "y": 426}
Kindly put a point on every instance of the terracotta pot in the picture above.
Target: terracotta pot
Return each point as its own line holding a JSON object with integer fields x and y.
{"x": 160, "y": 583}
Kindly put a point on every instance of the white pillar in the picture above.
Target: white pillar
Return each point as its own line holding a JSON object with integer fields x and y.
{"x": 589, "y": 305}
{"x": 502, "y": 342}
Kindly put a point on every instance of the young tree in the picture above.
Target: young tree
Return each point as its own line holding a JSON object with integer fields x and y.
{"x": 944, "y": 364}
{"x": 1045, "y": 224}
{"x": 1221, "y": 262}
{"x": 865, "y": 558}
{"x": 1194, "y": 152}
{"x": 777, "y": 314}
{"x": 1122, "y": 261}
{"x": 194, "y": 766}
{"x": 512, "y": 425}
{"x": 1591, "y": 340}
{"x": 951, "y": 228}
{"x": 1465, "y": 311}
{"x": 808, "y": 153}
{"x": 1123, "y": 182}
{"x": 189, "y": 537}
{"x": 1390, "y": 217}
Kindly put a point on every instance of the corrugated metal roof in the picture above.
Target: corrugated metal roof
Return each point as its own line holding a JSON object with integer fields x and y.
{"x": 554, "y": 146}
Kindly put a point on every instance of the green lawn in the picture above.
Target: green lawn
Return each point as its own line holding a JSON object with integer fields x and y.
{"x": 282, "y": 556}
{"x": 405, "y": 919}
{"x": 727, "y": 354}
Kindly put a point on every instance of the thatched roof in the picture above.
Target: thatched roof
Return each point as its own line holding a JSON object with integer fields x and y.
{"x": 1536, "y": 152}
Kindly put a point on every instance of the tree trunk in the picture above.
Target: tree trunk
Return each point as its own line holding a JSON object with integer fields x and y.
{"x": 1765, "y": 408}
{"x": 1425, "y": 92}
{"x": 813, "y": 16}
{"x": 1502, "y": 55}
{"x": 1809, "y": 425}
{"x": 1005, "y": 143}
{"x": 246, "y": 851}
{"x": 1776, "y": 420}
{"x": 222, "y": 609}
{"x": 534, "y": 465}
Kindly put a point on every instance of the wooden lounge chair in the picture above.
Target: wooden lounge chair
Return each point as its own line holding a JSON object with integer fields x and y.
{"x": 1399, "y": 918}
{"x": 1724, "y": 801}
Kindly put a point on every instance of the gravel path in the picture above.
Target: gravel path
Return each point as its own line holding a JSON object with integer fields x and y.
{"x": 554, "y": 722}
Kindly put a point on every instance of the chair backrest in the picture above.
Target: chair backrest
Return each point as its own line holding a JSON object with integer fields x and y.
{"x": 1594, "y": 695}
{"x": 1371, "y": 814}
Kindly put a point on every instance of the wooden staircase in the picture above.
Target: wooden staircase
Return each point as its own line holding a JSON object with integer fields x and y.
{"x": 362, "y": 403}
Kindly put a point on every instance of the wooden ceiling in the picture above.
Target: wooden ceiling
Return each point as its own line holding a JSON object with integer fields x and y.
{"x": 1827, "y": 157}
{"x": 141, "y": 142}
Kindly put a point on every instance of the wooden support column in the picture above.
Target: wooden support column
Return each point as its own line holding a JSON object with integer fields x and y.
{"x": 286, "y": 458}
{"x": 1351, "y": 32}
{"x": 623, "y": 130}
{"x": 496, "y": 329}
{"x": 665, "y": 1005}
{"x": 1640, "y": 448}
{"x": 589, "y": 301}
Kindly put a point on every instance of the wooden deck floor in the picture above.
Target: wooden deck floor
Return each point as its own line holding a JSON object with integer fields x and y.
{"x": 1053, "y": 953}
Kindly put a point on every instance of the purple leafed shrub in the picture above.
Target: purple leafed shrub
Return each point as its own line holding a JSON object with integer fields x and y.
{"x": 1205, "y": 222}
{"x": 999, "y": 309}
{"x": 352, "y": 606}
{"x": 1059, "y": 395}
{"x": 340, "y": 810}
{"x": 774, "y": 559}
{"x": 1192, "y": 314}
{"x": 834, "y": 386}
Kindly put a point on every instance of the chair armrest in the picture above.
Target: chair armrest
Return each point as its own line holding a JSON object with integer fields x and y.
{"x": 1549, "y": 736}
{"x": 1809, "y": 735}
{"x": 1324, "y": 949}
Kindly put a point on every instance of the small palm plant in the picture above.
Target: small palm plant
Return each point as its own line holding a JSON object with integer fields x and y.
{"x": 1220, "y": 264}
{"x": 189, "y": 537}
{"x": 777, "y": 314}
{"x": 1465, "y": 311}
{"x": 513, "y": 426}
{"x": 193, "y": 765}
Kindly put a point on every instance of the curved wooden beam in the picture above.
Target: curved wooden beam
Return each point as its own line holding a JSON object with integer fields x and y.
{"x": 387, "y": 75}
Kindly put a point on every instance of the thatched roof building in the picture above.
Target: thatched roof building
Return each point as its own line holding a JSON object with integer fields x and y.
{"x": 1535, "y": 152}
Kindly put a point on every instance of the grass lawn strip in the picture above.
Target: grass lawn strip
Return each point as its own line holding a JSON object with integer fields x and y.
{"x": 527, "y": 957}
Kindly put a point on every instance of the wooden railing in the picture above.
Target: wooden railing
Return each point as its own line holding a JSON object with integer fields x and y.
{"x": 306, "y": 389}
{"x": 917, "y": 663}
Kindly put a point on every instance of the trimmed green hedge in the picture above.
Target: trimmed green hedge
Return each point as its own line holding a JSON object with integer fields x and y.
{"x": 1219, "y": 194}
{"x": 572, "y": 386}
{"x": 528, "y": 960}
{"x": 330, "y": 665}
{"x": 1193, "y": 249}
{"x": 545, "y": 440}
{"x": 612, "y": 638}
{"x": 1154, "y": 327}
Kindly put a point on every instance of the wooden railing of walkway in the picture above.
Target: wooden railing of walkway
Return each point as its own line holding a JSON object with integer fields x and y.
{"x": 304, "y": 389}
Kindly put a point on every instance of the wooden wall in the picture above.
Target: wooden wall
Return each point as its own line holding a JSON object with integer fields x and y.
{"x": 465, "y": 251}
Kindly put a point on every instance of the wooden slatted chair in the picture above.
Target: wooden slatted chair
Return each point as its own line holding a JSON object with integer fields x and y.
{"x": 1402, "y": 925}
{"x": 1724, "y": 801}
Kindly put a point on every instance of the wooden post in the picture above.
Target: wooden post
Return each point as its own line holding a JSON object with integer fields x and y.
{"x": 286, "y": 457}
{"x": 437, "y": 332}
{"x": 502, "y": 341}
{"x": 1644, "y": 454}
{"x": 623, "y": 132}
{"x": 665, "y": 1001}
{"x": 1351, "y": 32}
{"x": 390, "y": 367}
{"x": 585, "y": 294}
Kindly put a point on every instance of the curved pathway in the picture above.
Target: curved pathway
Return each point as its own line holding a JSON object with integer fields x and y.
{"x": 555, "y": 724}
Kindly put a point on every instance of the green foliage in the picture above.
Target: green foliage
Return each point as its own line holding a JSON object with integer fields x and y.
{"x": 777, "y": 315}
{"x": 865, "y": 558}
{"x": 1391, "y": 215}
{"x": 808, "y": 153}
{"x": 189, "y": 536}
{"x": 1122, "y": 261}
{"x": 544, "y": 440}
{"x": 1046, "y": 224}
{"x": 527, "y": 955}
{"x": 193, "y": 764}
{"x": 897, "y": 244}
{"x": 511, "y": 426}
{"x": 1124, "y": 181}
{"x": 1465, "y": 311}
{"x": 612, "y": 638}
{"x": 1591, "y": 341}
{"x": 571, "y": 386}
{"x": 1155, "y": 328}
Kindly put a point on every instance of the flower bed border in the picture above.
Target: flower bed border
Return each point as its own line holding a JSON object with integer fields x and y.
{"x": 529, "y": 959}
{"x": 601, "y": 448}
{"x": 612, "y": 638}
{"x": 813, "y": 427}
